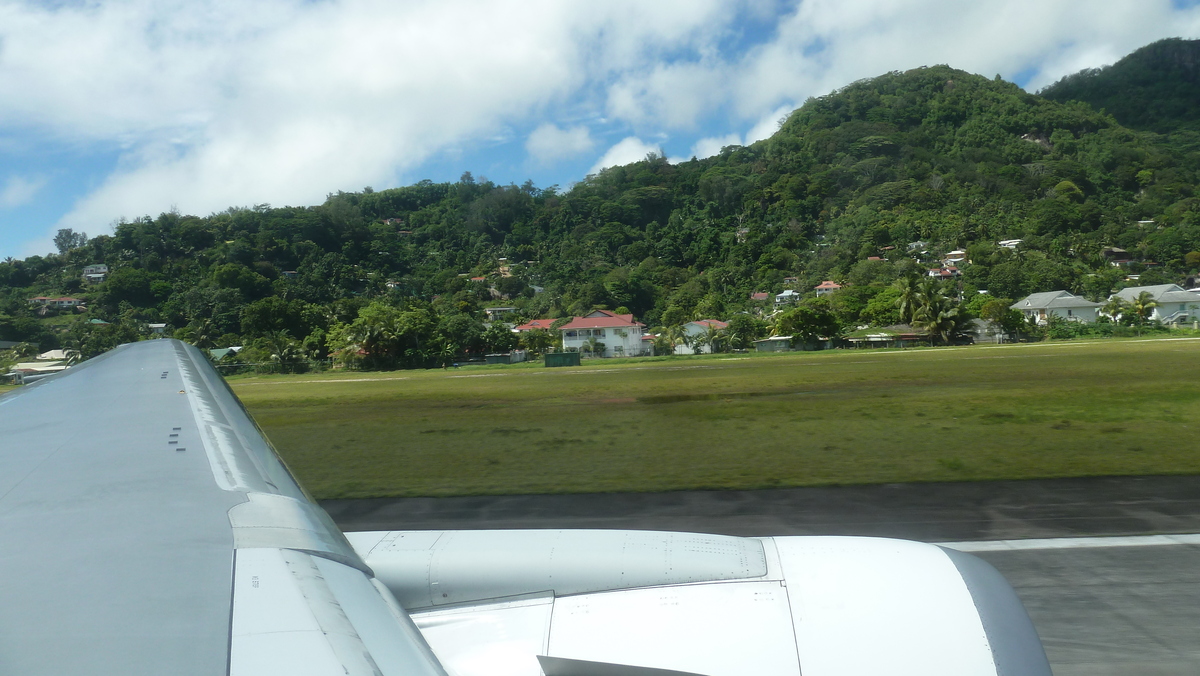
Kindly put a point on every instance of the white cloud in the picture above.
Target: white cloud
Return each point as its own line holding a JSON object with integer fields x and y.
{"x": 214, "y": 103}
{"x": 626, "y": 151}
{"x": 18, "y": 190}
{"x": 821, "y": 45}
{"x": 217, "y": 103}
{"x": 548, "y": 143}
{"x": 769, "y": 123}
{"x": 707, "y": 147}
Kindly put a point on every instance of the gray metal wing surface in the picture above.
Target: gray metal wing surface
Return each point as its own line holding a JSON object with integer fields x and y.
{"x": 146, "y": 527}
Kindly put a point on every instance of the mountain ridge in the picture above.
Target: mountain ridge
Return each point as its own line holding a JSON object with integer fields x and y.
{"x": 934, "y": 156}
{"x": 1155, "y": 88}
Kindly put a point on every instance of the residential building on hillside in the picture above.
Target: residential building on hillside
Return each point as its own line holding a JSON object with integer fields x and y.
{"x": 696, "y": 330}
{"x": 788, "y": 297}
{"x": 542, "y": 324}
{"x": 1041, "y": 306}
{"x": 826, "y": 287}
{"x": 495, "y": 313}
{"x": 94, "y": 274}
{"x": 620, "y": 335}
{"x": 61, "y": 302}
{"x": 1176, "y": 305}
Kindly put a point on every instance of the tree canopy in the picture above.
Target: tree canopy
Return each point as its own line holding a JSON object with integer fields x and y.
{"x": 875, "y": 182}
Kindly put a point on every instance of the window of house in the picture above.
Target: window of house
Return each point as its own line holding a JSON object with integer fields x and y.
{"x": 599, "y": 333}
{"x": 571, "y": 334}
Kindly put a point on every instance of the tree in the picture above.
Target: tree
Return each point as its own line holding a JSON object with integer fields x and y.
{"x": 284, "y": 351}
{"x": 592, "y": 346}
{"x": 939, "y": 316}
{"x": 202, "y": 334}
{"x": 713, "y": 338}
{"x": 676, "y": 335}
{"x": 908, "y": 297}
{"x": 499, "y": 338}
{"x": 538, "y": 341}
{"x": 808, "y": 323}
{"x": 67, "y": 239}
{"x": 1141, "y": 308}
{"x": 884, "y": 308}
{"x": 999, "y": 310}
{"x": 743, "y": 330}
{"x": 1114, "y": 308}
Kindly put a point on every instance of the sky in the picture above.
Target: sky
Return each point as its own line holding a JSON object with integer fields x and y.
{"x": 122, "y": 109}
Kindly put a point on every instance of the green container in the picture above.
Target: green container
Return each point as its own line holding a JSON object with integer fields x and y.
{"x": 499, "y": 358}
{"x": 562, "y": 359}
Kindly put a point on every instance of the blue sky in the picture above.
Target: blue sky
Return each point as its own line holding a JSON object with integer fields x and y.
{"x": 123, "y": 109}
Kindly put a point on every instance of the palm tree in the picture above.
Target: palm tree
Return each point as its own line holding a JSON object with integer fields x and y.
{"x": 677, "y": 335}
{"x": 446, "y": 353}
{"x": 910, "y": 295}
{"x": 592, "y": 346}
{"x": 713, "y": 338}
{"x": 1114, "y": 307}
{"x": 1142, "y": 308}
{"x": 938, "y": 316}
{"x": 22, "y": 350}
{"x": 284, "y": 351}
{"x": 204, "y": 335}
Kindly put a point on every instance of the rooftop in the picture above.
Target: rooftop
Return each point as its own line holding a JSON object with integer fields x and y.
{"x": 1052, "y": 299}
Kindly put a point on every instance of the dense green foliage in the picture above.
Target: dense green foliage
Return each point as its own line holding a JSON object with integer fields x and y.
{"x": 864, "y": 186}
{"x": 1156, "y": 88}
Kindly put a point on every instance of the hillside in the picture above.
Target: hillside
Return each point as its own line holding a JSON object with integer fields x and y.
{"x": 929, "y": 160}
{"x": 1156, "y": 88}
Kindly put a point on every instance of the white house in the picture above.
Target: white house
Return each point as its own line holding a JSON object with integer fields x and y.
{"x": 826, "y": 287}
{"x": 61, "y": 302}
{"x": 954, "y": 258}
{"x": 1041, "y": 306}
{"x": 1176, "y": 305}
{"x": 620, "y": 334}
{"x": 96, "y": 273}
{"x": 786, "y": 298}
{"x": 694, "y": 330}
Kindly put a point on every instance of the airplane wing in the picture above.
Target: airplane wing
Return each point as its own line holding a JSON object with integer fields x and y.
{"x": 148, "y": 527}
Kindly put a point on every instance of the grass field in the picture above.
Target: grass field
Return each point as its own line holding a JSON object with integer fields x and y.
{"x": 1003, "y": 412}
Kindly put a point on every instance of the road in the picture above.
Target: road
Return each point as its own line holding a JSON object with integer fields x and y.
{"x": 1108, "y": 597}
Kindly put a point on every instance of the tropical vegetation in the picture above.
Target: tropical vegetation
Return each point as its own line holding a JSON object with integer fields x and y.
{"x": 869, "y": 186}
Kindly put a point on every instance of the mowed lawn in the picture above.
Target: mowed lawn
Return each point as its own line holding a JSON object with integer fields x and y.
{"x": 985, "y": 412}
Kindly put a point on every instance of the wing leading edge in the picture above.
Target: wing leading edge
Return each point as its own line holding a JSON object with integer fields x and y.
{"x": 147, "y": 527}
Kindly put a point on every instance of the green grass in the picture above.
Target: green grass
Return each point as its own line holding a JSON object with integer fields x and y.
{"x": 1111, "y": 407}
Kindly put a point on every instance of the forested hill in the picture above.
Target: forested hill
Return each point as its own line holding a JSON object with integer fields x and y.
{"x": 907, "y": 165}
{"x": 1156, "y": 88}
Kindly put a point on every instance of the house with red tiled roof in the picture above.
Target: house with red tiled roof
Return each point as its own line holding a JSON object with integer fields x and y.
{"x": 696, "y": 331}
{"x": 762, "y": 295}
{"x": 620, "y": 335}
{"x": 826, "y": 287}
{"x": 543, "y": 324}
{"x": 947, "y": 272}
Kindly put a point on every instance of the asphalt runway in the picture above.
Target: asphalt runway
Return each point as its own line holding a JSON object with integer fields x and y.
{"x": 1110, "y": 589}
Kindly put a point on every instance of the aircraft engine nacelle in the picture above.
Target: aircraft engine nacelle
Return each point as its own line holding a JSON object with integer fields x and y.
{"x": 629, "y": 603}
